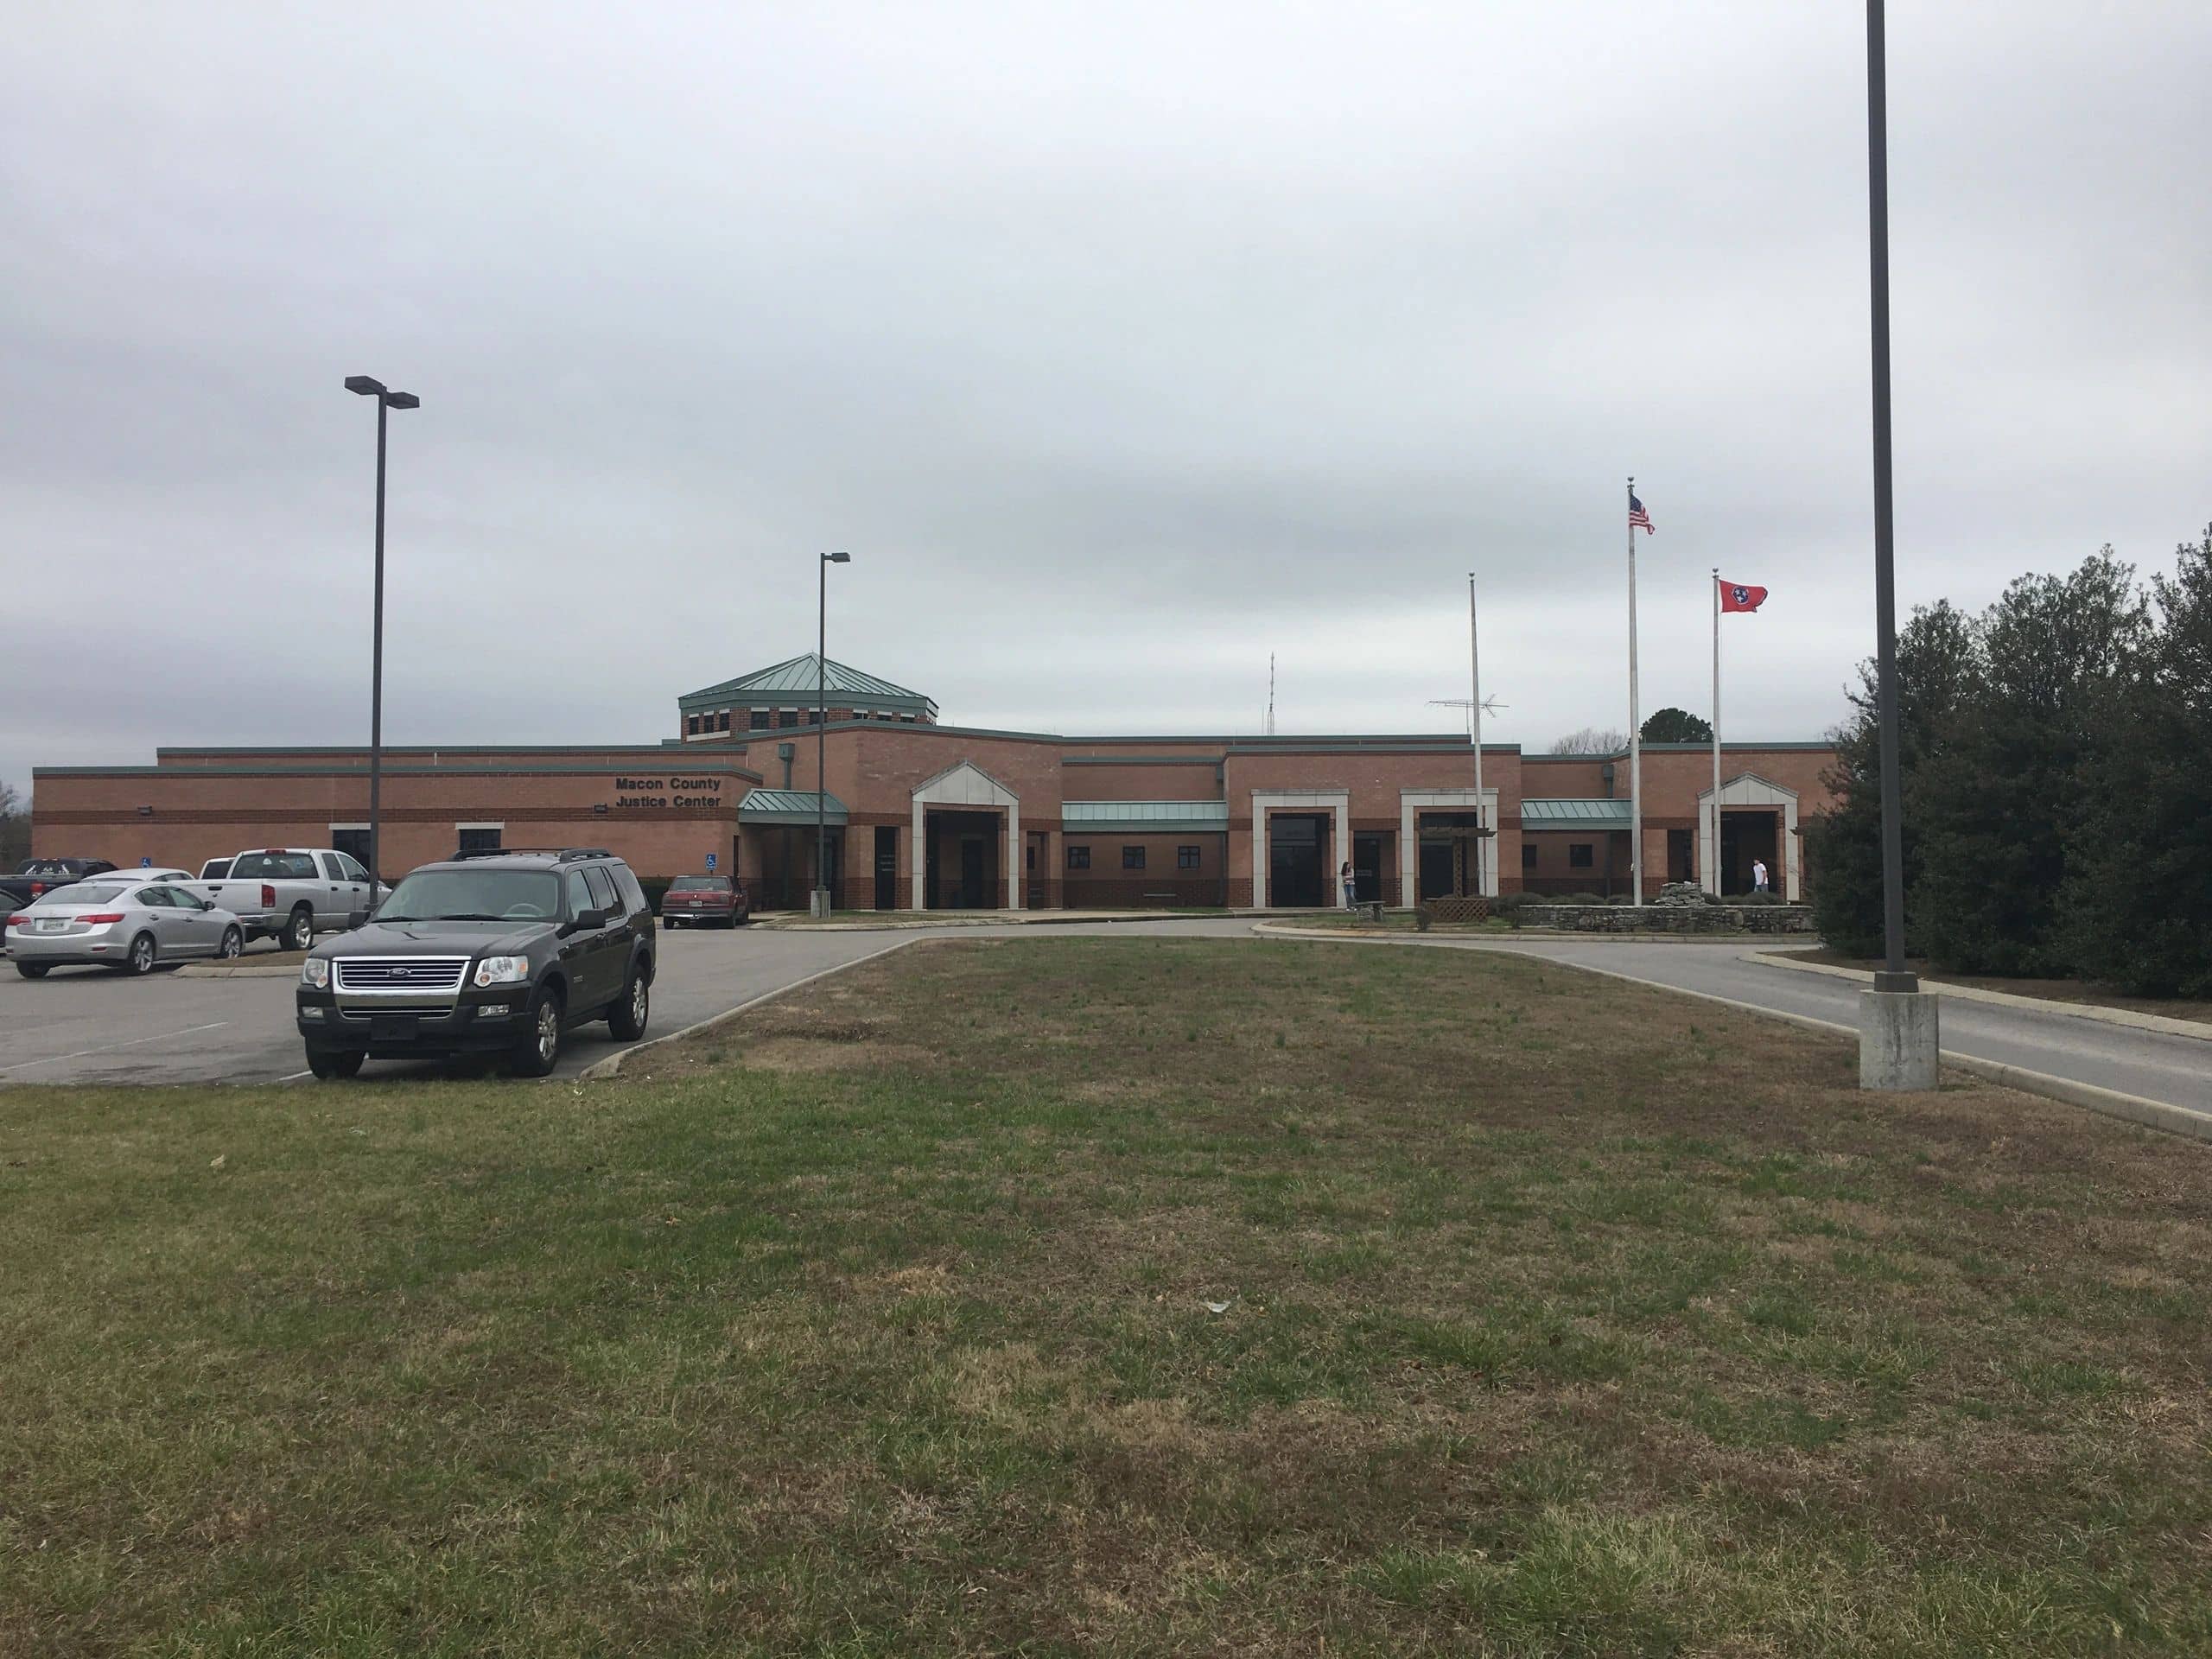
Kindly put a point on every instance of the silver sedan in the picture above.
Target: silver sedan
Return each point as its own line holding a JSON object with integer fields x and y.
{"x": 133, "y": 926}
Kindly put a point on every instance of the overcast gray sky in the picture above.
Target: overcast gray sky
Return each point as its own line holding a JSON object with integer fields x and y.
{"x": 1121, "y": 345}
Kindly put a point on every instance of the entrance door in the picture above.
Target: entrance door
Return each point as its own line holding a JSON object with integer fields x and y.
{"x": 1294, "y": 861}
{"x": 1367, "y": 868}
{"x": 886, "y": 867}
{"x": 1745, "y": 836}
{"x": 1435, "y": 869}
{"x": 1678, "y": 856}
{"x": 971, "y": 873}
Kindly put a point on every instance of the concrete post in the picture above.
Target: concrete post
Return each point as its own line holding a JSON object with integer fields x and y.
{"x": 1899, "y": 1044}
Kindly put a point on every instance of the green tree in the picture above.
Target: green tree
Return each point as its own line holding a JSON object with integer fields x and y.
{"x": 1992, "y": 819}
{"x": 2137, "y": 904}
{"x": 1677, "y": 726}
{"x": 15, "y": 828}
{"x": 1938, "y": 668}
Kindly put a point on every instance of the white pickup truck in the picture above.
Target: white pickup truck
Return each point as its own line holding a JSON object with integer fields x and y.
{"x": 290, "y": 893}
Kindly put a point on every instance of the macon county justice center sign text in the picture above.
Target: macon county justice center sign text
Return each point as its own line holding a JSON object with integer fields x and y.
{"x": 633, "y": 794}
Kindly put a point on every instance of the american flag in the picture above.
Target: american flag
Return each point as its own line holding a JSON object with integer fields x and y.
{"x": 1637, "y": 515}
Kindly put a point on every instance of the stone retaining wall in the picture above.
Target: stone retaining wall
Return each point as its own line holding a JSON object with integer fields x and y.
{"x": 1661, "y": 918}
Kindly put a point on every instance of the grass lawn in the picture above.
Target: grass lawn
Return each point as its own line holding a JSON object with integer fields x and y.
{"x": 1131, "y": 1296}
{"x": 2054, "y": 990}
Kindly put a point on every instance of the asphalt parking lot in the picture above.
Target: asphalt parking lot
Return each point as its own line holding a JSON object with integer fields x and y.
{"x": 92, "y": 1026}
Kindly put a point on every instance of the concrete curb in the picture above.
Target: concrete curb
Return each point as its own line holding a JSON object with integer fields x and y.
{"x": 1398, "y": 936}
{"x": 1018, "y": 919}
{"x": 613, "y": 1065}
{"x": 2199, "y": 1029}
{"x": 2135, "y": 1109}
{"x": 243, "y": 971}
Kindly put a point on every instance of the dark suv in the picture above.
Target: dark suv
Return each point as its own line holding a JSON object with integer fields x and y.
{"x": 493, "y": 952}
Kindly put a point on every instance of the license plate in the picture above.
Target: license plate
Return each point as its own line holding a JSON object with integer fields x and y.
{"x": 698, "y": 904}
{"x": 51, "y": 923}
{"x": 392, "y": 1028}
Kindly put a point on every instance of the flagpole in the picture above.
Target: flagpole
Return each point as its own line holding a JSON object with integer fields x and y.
{"x": 1475, "y": 690}
{"x": 1634, "y": 731}
{"x": 1713, "y": 860}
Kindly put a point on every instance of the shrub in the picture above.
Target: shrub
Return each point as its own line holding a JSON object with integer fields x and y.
{"x": 1768, "y": 896}
{"x": 1584, "y": 898}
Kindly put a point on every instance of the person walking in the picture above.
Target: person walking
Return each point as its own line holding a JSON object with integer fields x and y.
{"x": 1758, "y": 875}
{"x": 1350, "y": 884}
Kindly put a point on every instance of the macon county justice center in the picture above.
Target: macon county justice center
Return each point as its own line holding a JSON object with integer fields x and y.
{"x": 931, "y": 817}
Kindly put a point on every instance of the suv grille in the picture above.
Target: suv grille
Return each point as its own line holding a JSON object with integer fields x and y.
{"x": 400, "y": 975}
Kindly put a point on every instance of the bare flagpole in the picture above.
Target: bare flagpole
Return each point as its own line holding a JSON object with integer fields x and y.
{"x": 1635, "y": 730}
{"x": 1475, "y": 692}
{"x": 1712, "y": 853}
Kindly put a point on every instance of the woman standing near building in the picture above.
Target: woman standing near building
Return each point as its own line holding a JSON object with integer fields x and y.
{"x": 1351, "y": 885}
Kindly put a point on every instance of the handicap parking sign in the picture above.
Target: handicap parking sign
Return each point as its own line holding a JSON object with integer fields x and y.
{"x": 145, "y": 862}
{"x": 710, "y": 864}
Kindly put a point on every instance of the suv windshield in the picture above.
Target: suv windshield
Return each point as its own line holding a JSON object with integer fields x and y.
{"x": 474, "y": 895}
{"x": 274, "y": 866}
{"x": 79, "y": 894}
{"x": 700, "y": 884}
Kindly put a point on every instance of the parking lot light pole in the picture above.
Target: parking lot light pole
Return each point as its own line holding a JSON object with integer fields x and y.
{"x": 1899, "y": 1047}
{"x": 385, "y": 400}
{"x": 822, "y": 897}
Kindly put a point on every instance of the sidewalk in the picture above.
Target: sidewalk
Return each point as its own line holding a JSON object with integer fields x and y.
{"x": 884, "y": 921}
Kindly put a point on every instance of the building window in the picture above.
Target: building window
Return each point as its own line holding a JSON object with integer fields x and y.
{"x": 1581, "y": 856}
{"x": 758, "y": 720}
{"x": 1528, "y": 854}
{"x": 351, "y": 839}
{"x": 721, "y": 721}
{"x": 1186, "y": 858}
{"x": 1079, "y": 858}
{"x": 1133, "y": 858}
{"x": 787, "y": 718}
{"x": 479, "y": 837}
{"x": 691, "y": 725}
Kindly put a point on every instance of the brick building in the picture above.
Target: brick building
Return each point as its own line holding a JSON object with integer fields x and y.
{"x": 923, "y": 814}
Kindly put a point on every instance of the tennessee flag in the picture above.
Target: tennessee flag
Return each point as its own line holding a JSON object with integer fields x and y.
{"x": 1734, "y": 596}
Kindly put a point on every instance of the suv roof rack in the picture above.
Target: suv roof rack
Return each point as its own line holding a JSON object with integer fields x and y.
{"x": 563, "y": 854}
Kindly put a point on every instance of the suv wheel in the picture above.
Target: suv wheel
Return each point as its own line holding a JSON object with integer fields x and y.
{"x": 540, "y": 1047}
{"x": 299, "y": 931}
{"x": 329, "y": 1062}
{"x": 627, "y": 1019}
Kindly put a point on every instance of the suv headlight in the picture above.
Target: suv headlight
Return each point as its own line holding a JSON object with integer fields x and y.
{"x": 503, "y": 970}
{"x": 314, "y": 973}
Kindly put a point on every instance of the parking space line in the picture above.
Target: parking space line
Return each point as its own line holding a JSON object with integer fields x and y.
{"x": 109, "y": 1048}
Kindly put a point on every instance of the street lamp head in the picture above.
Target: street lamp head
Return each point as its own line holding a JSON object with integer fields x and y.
{"x": 838, "y": 558}
{"x": 403, "y": 400}
{"x": 364, "y": 386}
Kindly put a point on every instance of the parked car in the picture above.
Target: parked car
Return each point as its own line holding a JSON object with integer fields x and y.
{"x": 36, "y": 875}
{"x": 291, "y": 893}
{"x": 693, "y": 901}
{"x": 492, "y": 952}
{"x": 214, "y": 869}
{"x": 132, "y": 925}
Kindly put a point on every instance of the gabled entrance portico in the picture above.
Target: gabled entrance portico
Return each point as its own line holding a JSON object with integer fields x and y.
{"x": 1757, "y": 818}
{"x": 966, "y": 844}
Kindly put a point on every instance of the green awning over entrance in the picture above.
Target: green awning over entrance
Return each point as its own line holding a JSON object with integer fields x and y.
{"x": 788, "y": 806}
{"x": 1601, "y": 812}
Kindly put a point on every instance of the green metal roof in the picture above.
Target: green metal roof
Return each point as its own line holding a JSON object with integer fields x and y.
{"x": 1107, "y": 817}
{"x": 788, "y": 806}
{"x": 796, "y": 678}
{"x": 1600, "y": 813}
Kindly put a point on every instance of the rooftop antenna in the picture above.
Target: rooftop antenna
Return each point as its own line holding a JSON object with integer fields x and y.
{"x": 1271, "y": 694}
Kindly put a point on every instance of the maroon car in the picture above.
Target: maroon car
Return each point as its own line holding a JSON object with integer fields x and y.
{"x": 704, "y": 900}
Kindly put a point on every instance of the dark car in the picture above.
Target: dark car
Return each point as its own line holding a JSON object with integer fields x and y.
{"x": 495, "y": 952}
{"x": 35, "y": 876}
{"x": 694, "y": 901}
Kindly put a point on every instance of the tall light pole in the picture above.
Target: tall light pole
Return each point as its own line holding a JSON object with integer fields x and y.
{"x": 822, "y": 896}
{"x": 1475, "y": 712}
{"x": 1899, "y": 1047}
{"x": 386, "y": 399}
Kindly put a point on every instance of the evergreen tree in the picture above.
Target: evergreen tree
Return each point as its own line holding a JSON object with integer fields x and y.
{"x": 1937, "y": 669}
{"x": 1992, "y": 818}
{"x": 2137, "y": 905}
{"x": 1676, "y": 726}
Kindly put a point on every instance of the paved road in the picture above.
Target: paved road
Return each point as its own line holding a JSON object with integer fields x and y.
{"x": 2153, "y": 1065}
{"x": 92, "y": 1027}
